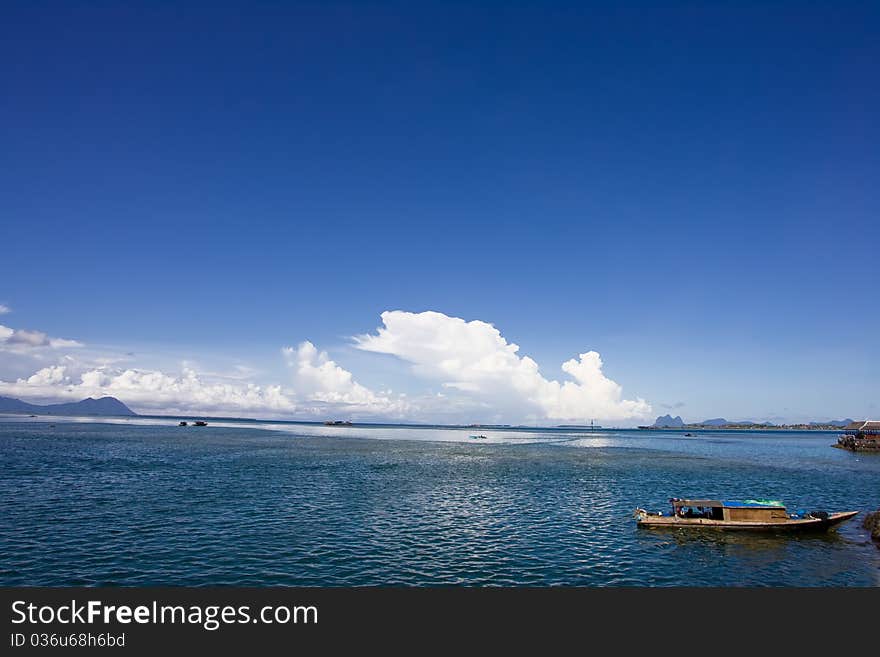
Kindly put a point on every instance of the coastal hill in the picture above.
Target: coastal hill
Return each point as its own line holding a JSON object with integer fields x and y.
{"x": 102, "y": 406}
{"x": 669, "y": 422}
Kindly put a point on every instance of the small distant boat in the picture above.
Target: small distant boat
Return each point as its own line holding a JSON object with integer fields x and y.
{"x": 480, "y": 437}
{"x": 747, "y": 515}
{"x": 688, "y": 435}
{"x": 200, "y": 423}
{"x": 183, "y": 424}
{"x": 337, "y": 423}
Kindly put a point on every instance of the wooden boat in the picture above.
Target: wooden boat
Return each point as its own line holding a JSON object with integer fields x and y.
{"x": 743, "y": 515}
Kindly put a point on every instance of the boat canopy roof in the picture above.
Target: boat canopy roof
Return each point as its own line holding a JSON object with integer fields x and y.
{"x": 677, "y": 502}
{"x": 730, "y": 504}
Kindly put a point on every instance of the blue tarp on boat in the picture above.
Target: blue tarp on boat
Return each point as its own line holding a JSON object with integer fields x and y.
{"x": 753, "y": 504}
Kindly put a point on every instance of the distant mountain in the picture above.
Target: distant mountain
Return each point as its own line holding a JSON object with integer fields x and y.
{"x": 719, "y": 423}
{"x": 10, "y": 405}
{"x": 833, "y": 423}
{"x": 669, "y": 421}
{"x": 102, "y": 406}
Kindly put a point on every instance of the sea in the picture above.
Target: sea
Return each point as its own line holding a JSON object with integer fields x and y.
{"x": 142, "y": 501}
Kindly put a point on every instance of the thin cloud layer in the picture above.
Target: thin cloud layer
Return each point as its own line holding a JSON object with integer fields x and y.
{"x": 474, "y": 358}
{"x": 22, "y": 339}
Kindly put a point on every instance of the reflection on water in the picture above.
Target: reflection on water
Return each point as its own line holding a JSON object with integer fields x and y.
{"x": 769, "y": 559}
{"x": 142, "y": 502}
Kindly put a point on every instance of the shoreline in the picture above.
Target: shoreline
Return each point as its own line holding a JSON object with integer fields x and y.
{"x": 172, "y": 420}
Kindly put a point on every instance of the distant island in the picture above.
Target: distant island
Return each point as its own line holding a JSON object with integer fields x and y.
{"x": 90, "y": 406}
{"x": 669, "y": 422}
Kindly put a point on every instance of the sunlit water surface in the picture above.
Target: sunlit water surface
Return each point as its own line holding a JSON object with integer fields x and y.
{"x": 136, "y": 502}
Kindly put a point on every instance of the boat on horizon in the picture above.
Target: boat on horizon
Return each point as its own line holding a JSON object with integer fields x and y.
{"x": 337, "y": 423}
{"x": 741, "y": 515}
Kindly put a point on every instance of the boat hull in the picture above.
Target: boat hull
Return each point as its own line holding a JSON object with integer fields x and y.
{"x": 804, "y": 524}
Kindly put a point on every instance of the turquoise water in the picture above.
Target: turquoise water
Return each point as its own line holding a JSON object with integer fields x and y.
{"x": 241, "y": 503}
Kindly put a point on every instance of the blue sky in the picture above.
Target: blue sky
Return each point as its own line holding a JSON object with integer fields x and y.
{"x": 688, "y": 190}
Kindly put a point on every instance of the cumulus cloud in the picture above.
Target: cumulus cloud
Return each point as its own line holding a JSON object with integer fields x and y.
{"x": 20, "y": 339}
{"x": 473, "y": 357}
{"x": 474, "y": 373}
{"x": 48, "y": 376}
{"x": 4, "y": 309}
{"x": 319, "y": 379}
{"x": 320, "y": 388}
{"x": 152, "y": 390}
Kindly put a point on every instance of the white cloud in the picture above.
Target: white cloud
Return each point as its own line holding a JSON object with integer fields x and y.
{"x": 473, "y": 357}
{"x": 28, "y": 338}
{"x": 321, "y": 389}
{"x": 47, "y": 376}
{"x": 4, "y": 309}
{"x": 152, "y": 391}
{"x": 62, "y": 343}
{"x": 319, "y": 379}
{"x": 23, "y": 339}
{"x": 479, "y": 376}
